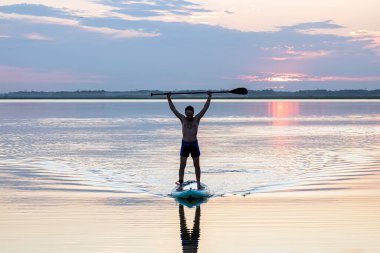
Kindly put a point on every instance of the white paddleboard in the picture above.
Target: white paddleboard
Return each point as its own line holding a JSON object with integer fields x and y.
{"x": 190, "y": 191}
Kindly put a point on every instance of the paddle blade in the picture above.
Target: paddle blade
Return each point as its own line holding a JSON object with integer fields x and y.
{"x": 240, "y": 91}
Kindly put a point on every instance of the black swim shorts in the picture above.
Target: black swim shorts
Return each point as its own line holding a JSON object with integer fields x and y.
{"x": 190, "y": 148}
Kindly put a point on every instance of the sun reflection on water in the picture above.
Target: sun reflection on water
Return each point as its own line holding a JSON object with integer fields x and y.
{"x": 281, "y": 111}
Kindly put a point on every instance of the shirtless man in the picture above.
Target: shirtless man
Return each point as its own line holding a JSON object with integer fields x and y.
{"x": 190, "y": 125}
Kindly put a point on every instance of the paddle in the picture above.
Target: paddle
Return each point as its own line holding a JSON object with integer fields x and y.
{"x": 239, "y": 91}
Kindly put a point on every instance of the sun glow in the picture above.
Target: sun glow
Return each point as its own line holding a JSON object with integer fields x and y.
{"x": 282, "y": 79}
{"x": 299, "y": 77}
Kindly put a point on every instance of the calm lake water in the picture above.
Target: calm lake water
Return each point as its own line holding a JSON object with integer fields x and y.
{"x": 246, "y": 146}
{"x": 94, "y": 176}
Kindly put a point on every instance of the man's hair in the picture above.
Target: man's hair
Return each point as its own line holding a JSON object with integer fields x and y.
{"x": 189, "y": 107}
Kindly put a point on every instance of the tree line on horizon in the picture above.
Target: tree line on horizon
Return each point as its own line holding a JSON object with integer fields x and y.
{"x": 267, "y": 93}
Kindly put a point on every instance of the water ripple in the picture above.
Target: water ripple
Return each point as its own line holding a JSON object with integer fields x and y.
{"x": 240, "y": 155}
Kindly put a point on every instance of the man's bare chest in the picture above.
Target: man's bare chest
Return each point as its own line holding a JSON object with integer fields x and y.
{"x": 190, "y": 124}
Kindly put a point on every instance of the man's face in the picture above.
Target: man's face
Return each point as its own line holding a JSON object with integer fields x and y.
{"x": 189, "y": 113}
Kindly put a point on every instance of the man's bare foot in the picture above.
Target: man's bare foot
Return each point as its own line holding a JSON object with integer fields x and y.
{"x": 200, "y": 187}
{"x": 180, "y": 187}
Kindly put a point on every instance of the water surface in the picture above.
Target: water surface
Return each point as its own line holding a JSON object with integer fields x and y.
{"x": 93, "y": 176}
{"x": 247, "y": 146}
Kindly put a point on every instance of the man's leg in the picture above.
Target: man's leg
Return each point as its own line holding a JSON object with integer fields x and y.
{"x": 182, "y": 167}
{"x": 197, "y": 171}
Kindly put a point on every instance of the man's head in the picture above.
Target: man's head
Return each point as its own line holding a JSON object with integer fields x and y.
{"x": 189, "y": 111}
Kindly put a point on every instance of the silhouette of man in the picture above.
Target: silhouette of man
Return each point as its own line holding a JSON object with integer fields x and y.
{"x": 190, "y": 238}
{"x": 190, "y": 145}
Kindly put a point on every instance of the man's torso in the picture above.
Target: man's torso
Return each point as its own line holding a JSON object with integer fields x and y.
{"x": 190, "y": 129}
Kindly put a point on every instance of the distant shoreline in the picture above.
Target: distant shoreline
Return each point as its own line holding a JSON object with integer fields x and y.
{"x": 193, "y": 98}
{"x": 146, "y": 94}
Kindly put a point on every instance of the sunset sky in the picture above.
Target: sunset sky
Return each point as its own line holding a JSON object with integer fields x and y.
{"x": 49, "y": 45}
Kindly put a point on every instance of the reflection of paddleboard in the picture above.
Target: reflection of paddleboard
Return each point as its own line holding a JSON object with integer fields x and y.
{"x": 190, "y": 191}
{"x": 190, "y": 203}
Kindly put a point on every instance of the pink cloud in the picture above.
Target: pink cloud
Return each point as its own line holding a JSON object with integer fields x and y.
{"x": 298, "y": 77}
{"x": 17, "y": 75}
{"x": 365, "y": 35}
{"x": 288, "y": 53}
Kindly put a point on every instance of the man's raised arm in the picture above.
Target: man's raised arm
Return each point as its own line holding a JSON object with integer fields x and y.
{"x": 172, "y": 107}
{"x": 205, "y": 107}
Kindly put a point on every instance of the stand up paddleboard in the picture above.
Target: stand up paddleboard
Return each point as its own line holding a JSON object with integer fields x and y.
{"x": 190, "y": 191}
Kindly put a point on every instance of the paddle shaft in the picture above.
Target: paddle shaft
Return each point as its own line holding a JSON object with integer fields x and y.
{"x": 192, "y": 92}
{"x": 240, "y": 91}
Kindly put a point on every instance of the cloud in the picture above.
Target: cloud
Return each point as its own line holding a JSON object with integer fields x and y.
{"x": 84, "y": 8}
{"x": 172, "y": 8}
{"x": 33, "y": 9}
{"x": 275, "y": 87}
{"x": 241, "y": 15}
{"x": 299, "y": 77}
{"x": 10, "y": 75}
{"x": 37, "y": 36}
{"x": 39, "y": 19}
{"x": 288, "y": 53}
{"x": 328, "y": 24}
{"x": 371, "y": 37}
{"x": 142, "y": 2}
{"x": 115, "y": 33}
{"x": 186, "y": 52}
{"x": 157, "y": 10}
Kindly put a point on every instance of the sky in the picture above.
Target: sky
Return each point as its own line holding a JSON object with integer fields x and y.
{"x": 56, "y": 45}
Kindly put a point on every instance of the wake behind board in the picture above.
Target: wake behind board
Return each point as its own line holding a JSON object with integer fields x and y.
{"x": 190, "y": 191}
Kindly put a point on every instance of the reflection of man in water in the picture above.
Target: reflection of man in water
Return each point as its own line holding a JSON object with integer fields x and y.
{"x": 190, "y": 125}
{"x": 190, "y": 238}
